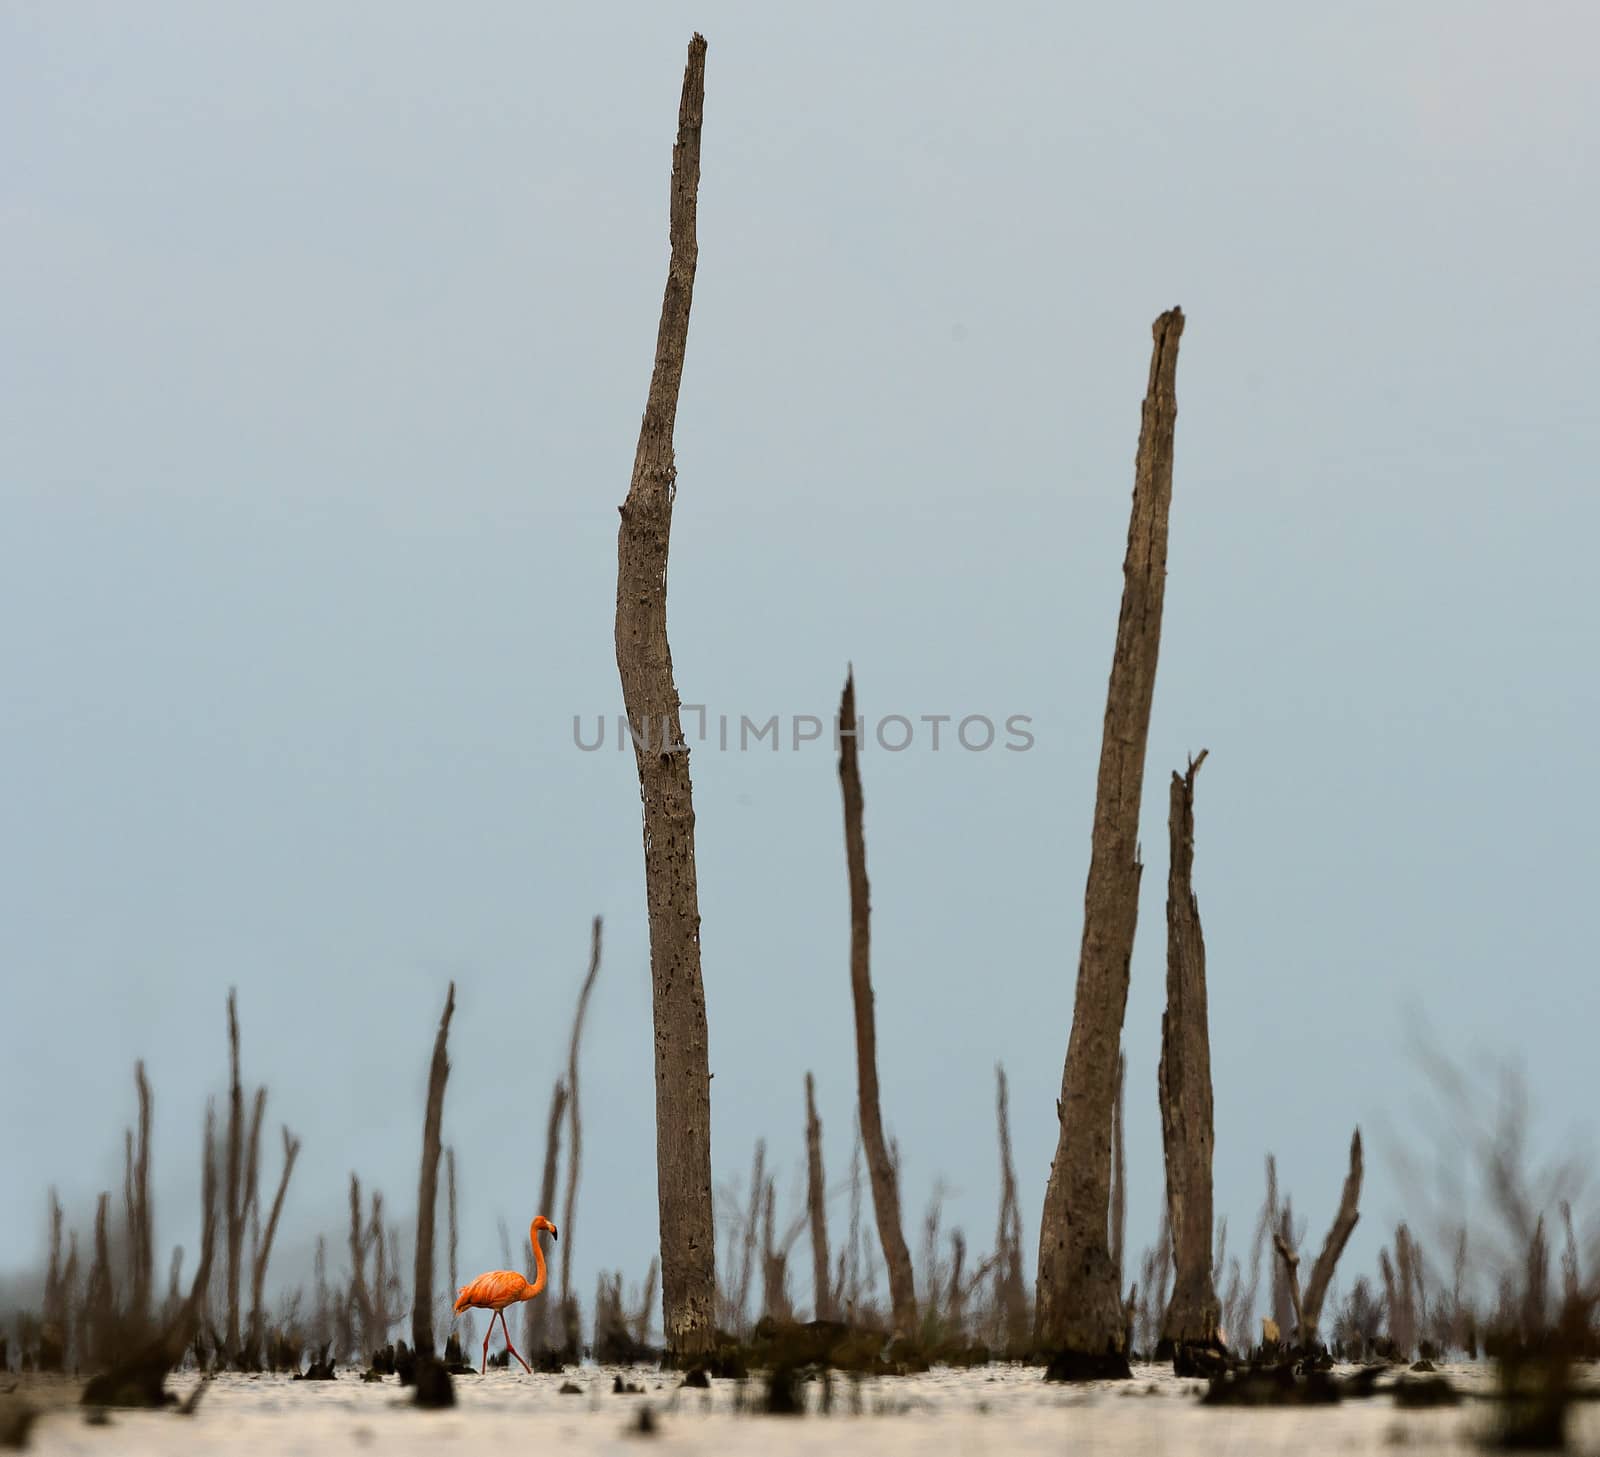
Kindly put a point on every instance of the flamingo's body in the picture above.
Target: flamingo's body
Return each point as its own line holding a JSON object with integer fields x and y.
{"x": 496, "y": 1289}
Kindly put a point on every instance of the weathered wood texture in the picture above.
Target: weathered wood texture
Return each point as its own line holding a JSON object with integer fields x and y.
{"x": 1079, "y": 1309}
{"x": 428, "y": 1183}
{"x": 650, "y": 697}
{"x": 1184, "y": 1079}
{"x": 881, "y": 1171}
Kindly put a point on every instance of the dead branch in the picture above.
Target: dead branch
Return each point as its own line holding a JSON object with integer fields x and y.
{"x": 534, "y": 1324}
{"x": 880, "y": 1168}
{"x": 575, "y": 1142}
{"x": 258, "y": 1276}
{"x": 1344, "y": 1222}
{"x": 816, "y": 1205}
{"x": 428, "y": 1184}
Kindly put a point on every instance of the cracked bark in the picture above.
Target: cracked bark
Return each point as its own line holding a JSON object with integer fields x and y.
{"x": 1079, "y": 1309}
{"x": 1194, "y": 1313}
{"x": 650, "y": 697}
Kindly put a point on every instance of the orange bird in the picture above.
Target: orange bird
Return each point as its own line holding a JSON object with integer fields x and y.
{"x": 500, "y": 1288}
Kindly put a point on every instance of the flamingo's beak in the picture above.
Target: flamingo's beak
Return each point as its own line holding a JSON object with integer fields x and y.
{"x": 553, "y": 1234}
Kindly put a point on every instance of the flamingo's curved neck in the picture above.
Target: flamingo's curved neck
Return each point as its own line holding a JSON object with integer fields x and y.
{"x": 538, "y": 1262}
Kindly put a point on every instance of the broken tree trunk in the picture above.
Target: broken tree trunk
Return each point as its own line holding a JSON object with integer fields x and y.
{"x": 258, "y": 1273}
{"x": 234, "y": 1203}
{"x": 1079, "y": 1309}
{"x": 817, "y": 1208}
{"x": 428, "y": 1185}
{"x": 1308, "y": 1307}
{"x": 880, "y": 1166}
{"x": 1344, "y": 1222}
{"x": 534, "y": 1324}
{"x": 574, "y": 1125}
{"x": 141, "y": 1234}
{"x": 140, "y": 1380}
{"x": 1011, "y": 1296}
{"x": 650, "y": 697}
{"x": 1193, "y": 1314}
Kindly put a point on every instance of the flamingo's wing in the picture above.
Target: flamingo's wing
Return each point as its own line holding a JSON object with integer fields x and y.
{"x": 490, "y": 1291}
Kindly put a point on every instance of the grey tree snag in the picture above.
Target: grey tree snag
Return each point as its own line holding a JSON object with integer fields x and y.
{"x": 817, "y": 1208}
{"x": 1344, "y": 1223}
{"x": 1079, "y": 1311}
{"x": 575, "y": 1124}
{"x": 881, "y": 1169}
{"x": 235, "y": 1202}
{"x": 533, "y": 1317}
{"x": 142, "y": 1231}
{"x": 428, "y": 1185}
{"x": 258, "y": 1273}
{"x": 1187, "y": 1136}
{"x": 650, "y": 697}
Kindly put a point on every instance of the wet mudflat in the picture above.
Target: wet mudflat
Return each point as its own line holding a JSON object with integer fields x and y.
{"x": 999, "y": 1408}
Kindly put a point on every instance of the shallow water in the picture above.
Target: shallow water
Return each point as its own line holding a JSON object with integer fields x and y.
{"x": 988, "y": 1409}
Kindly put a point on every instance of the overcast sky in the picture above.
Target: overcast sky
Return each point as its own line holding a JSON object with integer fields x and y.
{"x": 327, "y": 332}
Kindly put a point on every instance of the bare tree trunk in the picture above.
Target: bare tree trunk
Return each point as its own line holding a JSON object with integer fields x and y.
{"x": 1194, "y": 1314}
{"x": 644, "y": 661}
{"x": 1011, "y": 1295}
{"x": 360, "y": 1296}
{"x": 258, "y": 1276}
{"x": 53, "y": 1333}
{"x": 1119, "y": 1173}
{"x": 816, "y": 1205}
{"x": 534, "y": 1324}
{"x": 1307, "y": 1308}
{"x": 140, "y": 1232}
{"x": 1079, "y": 1309}
{"x": 234, "y": 1204}
{"x": 575, "y": 1143}
{"x": 741, "y": 1291}
{"x": 880, "y": 1167}
{"x": 428, "y": 1185}
{"x": 1282, "y": 1297}
{"x": 466, "y": 1332}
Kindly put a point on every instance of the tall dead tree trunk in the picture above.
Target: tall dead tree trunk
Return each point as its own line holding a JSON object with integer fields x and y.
{"x": 258, "y": 1274}
{"x": 141, "y": 1234}
{"x": 428, "y": 1185}
{"x": 1079, "y": 1309}
{"x": 881, "y": 1169}
{"x": 534, "y": 1324}
{"x": 1344, "y": 1223}
{"x": 575, "y": 1126}
{"x": 650, "y": 697}
{"x": 817, "y": 1208}
{"x": 1184, "y": 1078}
{"x": 1011, "y": 1296}
{"x": 234, "y": 1204}
{"x": 361, "y": 1307}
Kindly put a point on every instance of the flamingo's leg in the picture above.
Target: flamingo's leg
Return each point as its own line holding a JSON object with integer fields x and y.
{"x": 485, "y": 1368}
{"x": 514, "y": 1351}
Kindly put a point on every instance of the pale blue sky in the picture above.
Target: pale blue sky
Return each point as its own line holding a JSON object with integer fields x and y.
{"x": 327, "y": 334}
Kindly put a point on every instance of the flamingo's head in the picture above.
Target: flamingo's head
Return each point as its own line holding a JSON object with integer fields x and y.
{"x": 540, "y": 1222}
